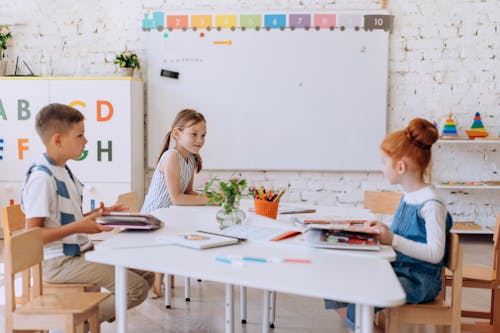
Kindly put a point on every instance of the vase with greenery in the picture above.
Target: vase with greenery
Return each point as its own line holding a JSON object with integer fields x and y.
{"x": 227, "y": 194}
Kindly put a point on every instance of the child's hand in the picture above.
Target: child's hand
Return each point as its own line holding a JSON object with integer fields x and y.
{"x": 117, "y": 207}
{"x": 385, "y": 237}
{"x": 88, "y": 225}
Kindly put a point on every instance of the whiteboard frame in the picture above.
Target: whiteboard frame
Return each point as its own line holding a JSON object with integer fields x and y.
{"x": 355, "y": 138}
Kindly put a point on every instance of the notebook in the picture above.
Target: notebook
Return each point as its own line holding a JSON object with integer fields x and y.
{"x": 199, "y": 240}
{"x": 342, "y": 236}
{"x": 132, "y": 221}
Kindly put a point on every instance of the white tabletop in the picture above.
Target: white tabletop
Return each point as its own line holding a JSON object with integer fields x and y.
{"x": 361, "y": 277}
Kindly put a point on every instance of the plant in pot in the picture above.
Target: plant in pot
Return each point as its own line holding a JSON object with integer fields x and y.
{"x": 128, "y": 61}
{"x": 5, "y": 35}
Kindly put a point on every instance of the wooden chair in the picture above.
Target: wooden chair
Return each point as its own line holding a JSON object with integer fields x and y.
{"x": 131, "y": 200}
{"x": 14, "y": 221}
{"x": 439, "y": 312}
{"x": 476, "y": 276}
{"x": 24, "y": 251}
{"x": 380, "y": 202}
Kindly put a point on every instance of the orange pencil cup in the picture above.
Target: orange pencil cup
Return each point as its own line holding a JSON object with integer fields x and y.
{"x": 266, "y": 208}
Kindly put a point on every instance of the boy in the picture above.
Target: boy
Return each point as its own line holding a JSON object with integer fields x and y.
{"x": 52, "y": 200}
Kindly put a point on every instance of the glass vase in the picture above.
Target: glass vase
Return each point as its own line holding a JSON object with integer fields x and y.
{"x": 228, "y": 216}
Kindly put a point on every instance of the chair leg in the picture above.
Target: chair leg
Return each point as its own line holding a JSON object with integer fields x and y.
{"x": 157, "y": 284}
{"x": 495, "y": 310}
{"x": 80, "y": 328}
{"x": 70, "y": 325}
{"x": 442, "y": 329}
{"x": 94, "y": 325}
{"x": 392, "y": 320}
{"x": 380, "y": 320}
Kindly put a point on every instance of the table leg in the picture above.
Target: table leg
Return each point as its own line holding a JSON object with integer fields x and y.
{"x": 229, "y": 309}
{"x": 366, "y": 319}
{"x": 265, "y": 312}
{"x": 357, "y": 322}
{"x": 121, "y": 298}
{"x": 243, "y": 304}
{"x": 272, "y": 309}
{"x": 187, "y": 289}
{"x": 168, "y": 290}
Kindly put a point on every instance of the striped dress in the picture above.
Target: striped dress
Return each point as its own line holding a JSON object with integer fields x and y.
{"x": 158, "y": 196}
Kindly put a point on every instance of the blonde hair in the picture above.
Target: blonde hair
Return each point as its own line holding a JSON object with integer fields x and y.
{"x": 185, "y": 118}
{"x": 413, "y": 143}
{"x": 56, "y": 118}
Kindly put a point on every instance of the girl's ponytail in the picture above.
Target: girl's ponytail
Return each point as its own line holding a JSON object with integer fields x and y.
{"x": 165, "y": 145}
{"x": 197, "y": 158}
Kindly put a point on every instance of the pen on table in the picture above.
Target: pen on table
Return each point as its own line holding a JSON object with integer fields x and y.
{"x": 241, "y": 239}
{"x": 297, "y": 260}
{"x": 271, "y": 260}
{"x": 224, "y": 260}
{"x": 229, "y": 261}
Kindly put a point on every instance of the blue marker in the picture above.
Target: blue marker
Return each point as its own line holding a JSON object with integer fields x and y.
{"x": 223, "y": 260}
{"x": 92, "y": 204}
{"x": 262, "y": 260}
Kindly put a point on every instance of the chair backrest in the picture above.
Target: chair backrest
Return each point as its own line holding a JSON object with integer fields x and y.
{"x": 496, "y": 251}
{"x": 130, "y": 199}
{"x": 380, "y": 202}
{"x": 453, "y": 262}
{"x": 13, "y": 220}
{"x": 23, "y": 252}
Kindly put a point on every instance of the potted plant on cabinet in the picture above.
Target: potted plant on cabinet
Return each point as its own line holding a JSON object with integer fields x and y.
{"x": 5, "y": 35}
{"x": 128, "y": 61}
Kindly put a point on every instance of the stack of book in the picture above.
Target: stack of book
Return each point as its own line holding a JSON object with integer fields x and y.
{"x": 340, "y": 234}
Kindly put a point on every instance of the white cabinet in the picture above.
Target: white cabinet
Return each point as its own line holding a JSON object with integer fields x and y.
{"x": 467, "y": 174}
{"x": 114, "y": 121}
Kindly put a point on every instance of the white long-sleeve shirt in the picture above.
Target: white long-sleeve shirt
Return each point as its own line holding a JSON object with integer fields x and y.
{"x": 434, "y": 214}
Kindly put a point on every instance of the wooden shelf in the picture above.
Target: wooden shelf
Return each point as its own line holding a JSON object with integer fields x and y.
{"x": 467, "y": 187}
{"x": 467, "y": 141}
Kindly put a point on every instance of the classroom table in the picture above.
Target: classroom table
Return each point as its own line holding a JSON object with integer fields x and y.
{"x": 365, "y": 278}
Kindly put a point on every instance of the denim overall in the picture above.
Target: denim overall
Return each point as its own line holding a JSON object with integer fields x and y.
{"x": 420, "y": 280}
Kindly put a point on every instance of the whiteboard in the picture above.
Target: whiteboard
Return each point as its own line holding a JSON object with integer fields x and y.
{"x": 273, "y": 100}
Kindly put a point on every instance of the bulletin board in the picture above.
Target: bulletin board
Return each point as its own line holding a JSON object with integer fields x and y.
{"x": 288, "y": 91}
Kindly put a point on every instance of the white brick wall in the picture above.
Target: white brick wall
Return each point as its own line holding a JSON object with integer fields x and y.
{"x": 444, "y": 58}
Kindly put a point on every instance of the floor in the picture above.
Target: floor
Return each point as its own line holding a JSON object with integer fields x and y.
{"x": 205, "y": 312}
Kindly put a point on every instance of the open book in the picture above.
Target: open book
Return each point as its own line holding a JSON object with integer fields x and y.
{"x": 347, "y": 235}
{"x": 259, "y": 233}
{"x": 199, "y": 239}
{"x": 130, "y": 221}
